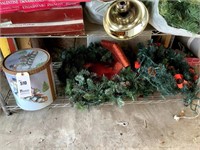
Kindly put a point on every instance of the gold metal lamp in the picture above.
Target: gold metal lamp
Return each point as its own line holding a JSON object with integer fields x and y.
{"x": 125, "y": 19}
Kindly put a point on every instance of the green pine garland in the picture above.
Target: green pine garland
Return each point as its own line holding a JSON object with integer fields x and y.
{"x": 183, "y": 14}
{"x": 158, "y": 67}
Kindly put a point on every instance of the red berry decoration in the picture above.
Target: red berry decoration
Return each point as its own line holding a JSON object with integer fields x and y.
{"x": 136, "y": 65}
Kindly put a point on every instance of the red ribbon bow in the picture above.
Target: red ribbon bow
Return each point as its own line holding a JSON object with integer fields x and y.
{"x": 109, "y": 70}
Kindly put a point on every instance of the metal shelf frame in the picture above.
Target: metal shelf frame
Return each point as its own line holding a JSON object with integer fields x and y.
{"x": 9, "y": 105}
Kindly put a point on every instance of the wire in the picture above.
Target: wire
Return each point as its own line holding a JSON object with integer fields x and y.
{"x": 177, "y": 117}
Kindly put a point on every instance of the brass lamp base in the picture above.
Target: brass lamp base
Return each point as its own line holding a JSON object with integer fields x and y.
{"x": 125, "y": 19}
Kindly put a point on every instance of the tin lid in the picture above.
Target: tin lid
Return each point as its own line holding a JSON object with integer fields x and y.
{"x": 29, "y": 60}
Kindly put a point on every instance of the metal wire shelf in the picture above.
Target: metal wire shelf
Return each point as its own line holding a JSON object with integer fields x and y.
{"x": 62, "y": 100}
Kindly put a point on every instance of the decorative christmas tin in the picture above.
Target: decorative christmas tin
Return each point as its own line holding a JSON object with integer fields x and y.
{"x": 29, "y": 74}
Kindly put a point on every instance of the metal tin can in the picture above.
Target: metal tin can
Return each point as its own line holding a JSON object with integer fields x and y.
{"x": 37, "y": 63}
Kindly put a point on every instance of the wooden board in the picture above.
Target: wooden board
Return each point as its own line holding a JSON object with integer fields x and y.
{"x": 62, "y": 21}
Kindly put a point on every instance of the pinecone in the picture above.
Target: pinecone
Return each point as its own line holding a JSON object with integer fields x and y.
{"x": 151, "y": 71}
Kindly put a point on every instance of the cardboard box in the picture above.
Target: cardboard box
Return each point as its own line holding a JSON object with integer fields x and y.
{"x": 57, "y": 21}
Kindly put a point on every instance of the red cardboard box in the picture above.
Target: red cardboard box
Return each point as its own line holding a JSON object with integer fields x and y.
{"x": 58, "y": 21}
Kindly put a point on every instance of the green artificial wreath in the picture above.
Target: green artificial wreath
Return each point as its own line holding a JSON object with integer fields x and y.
{"x": 74, "y": 60}
{"x": 153, "y": 69}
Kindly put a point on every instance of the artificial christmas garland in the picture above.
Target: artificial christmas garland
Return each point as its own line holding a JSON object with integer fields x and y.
{"x": 183, "y": 14}
{"x": 91, "y": 78}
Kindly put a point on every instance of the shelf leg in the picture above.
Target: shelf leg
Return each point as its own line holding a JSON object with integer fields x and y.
{"x": 3, "y": 105}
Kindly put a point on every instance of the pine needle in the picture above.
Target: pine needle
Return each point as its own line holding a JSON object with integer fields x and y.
{"x": 183, "y": 14}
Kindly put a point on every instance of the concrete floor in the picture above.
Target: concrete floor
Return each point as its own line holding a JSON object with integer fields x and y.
{"x": 106, "y": 127}
{"x": 134, "y": 126}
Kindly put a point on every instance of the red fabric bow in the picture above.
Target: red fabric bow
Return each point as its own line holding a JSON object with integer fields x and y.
{"x": 109, "y": 70}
